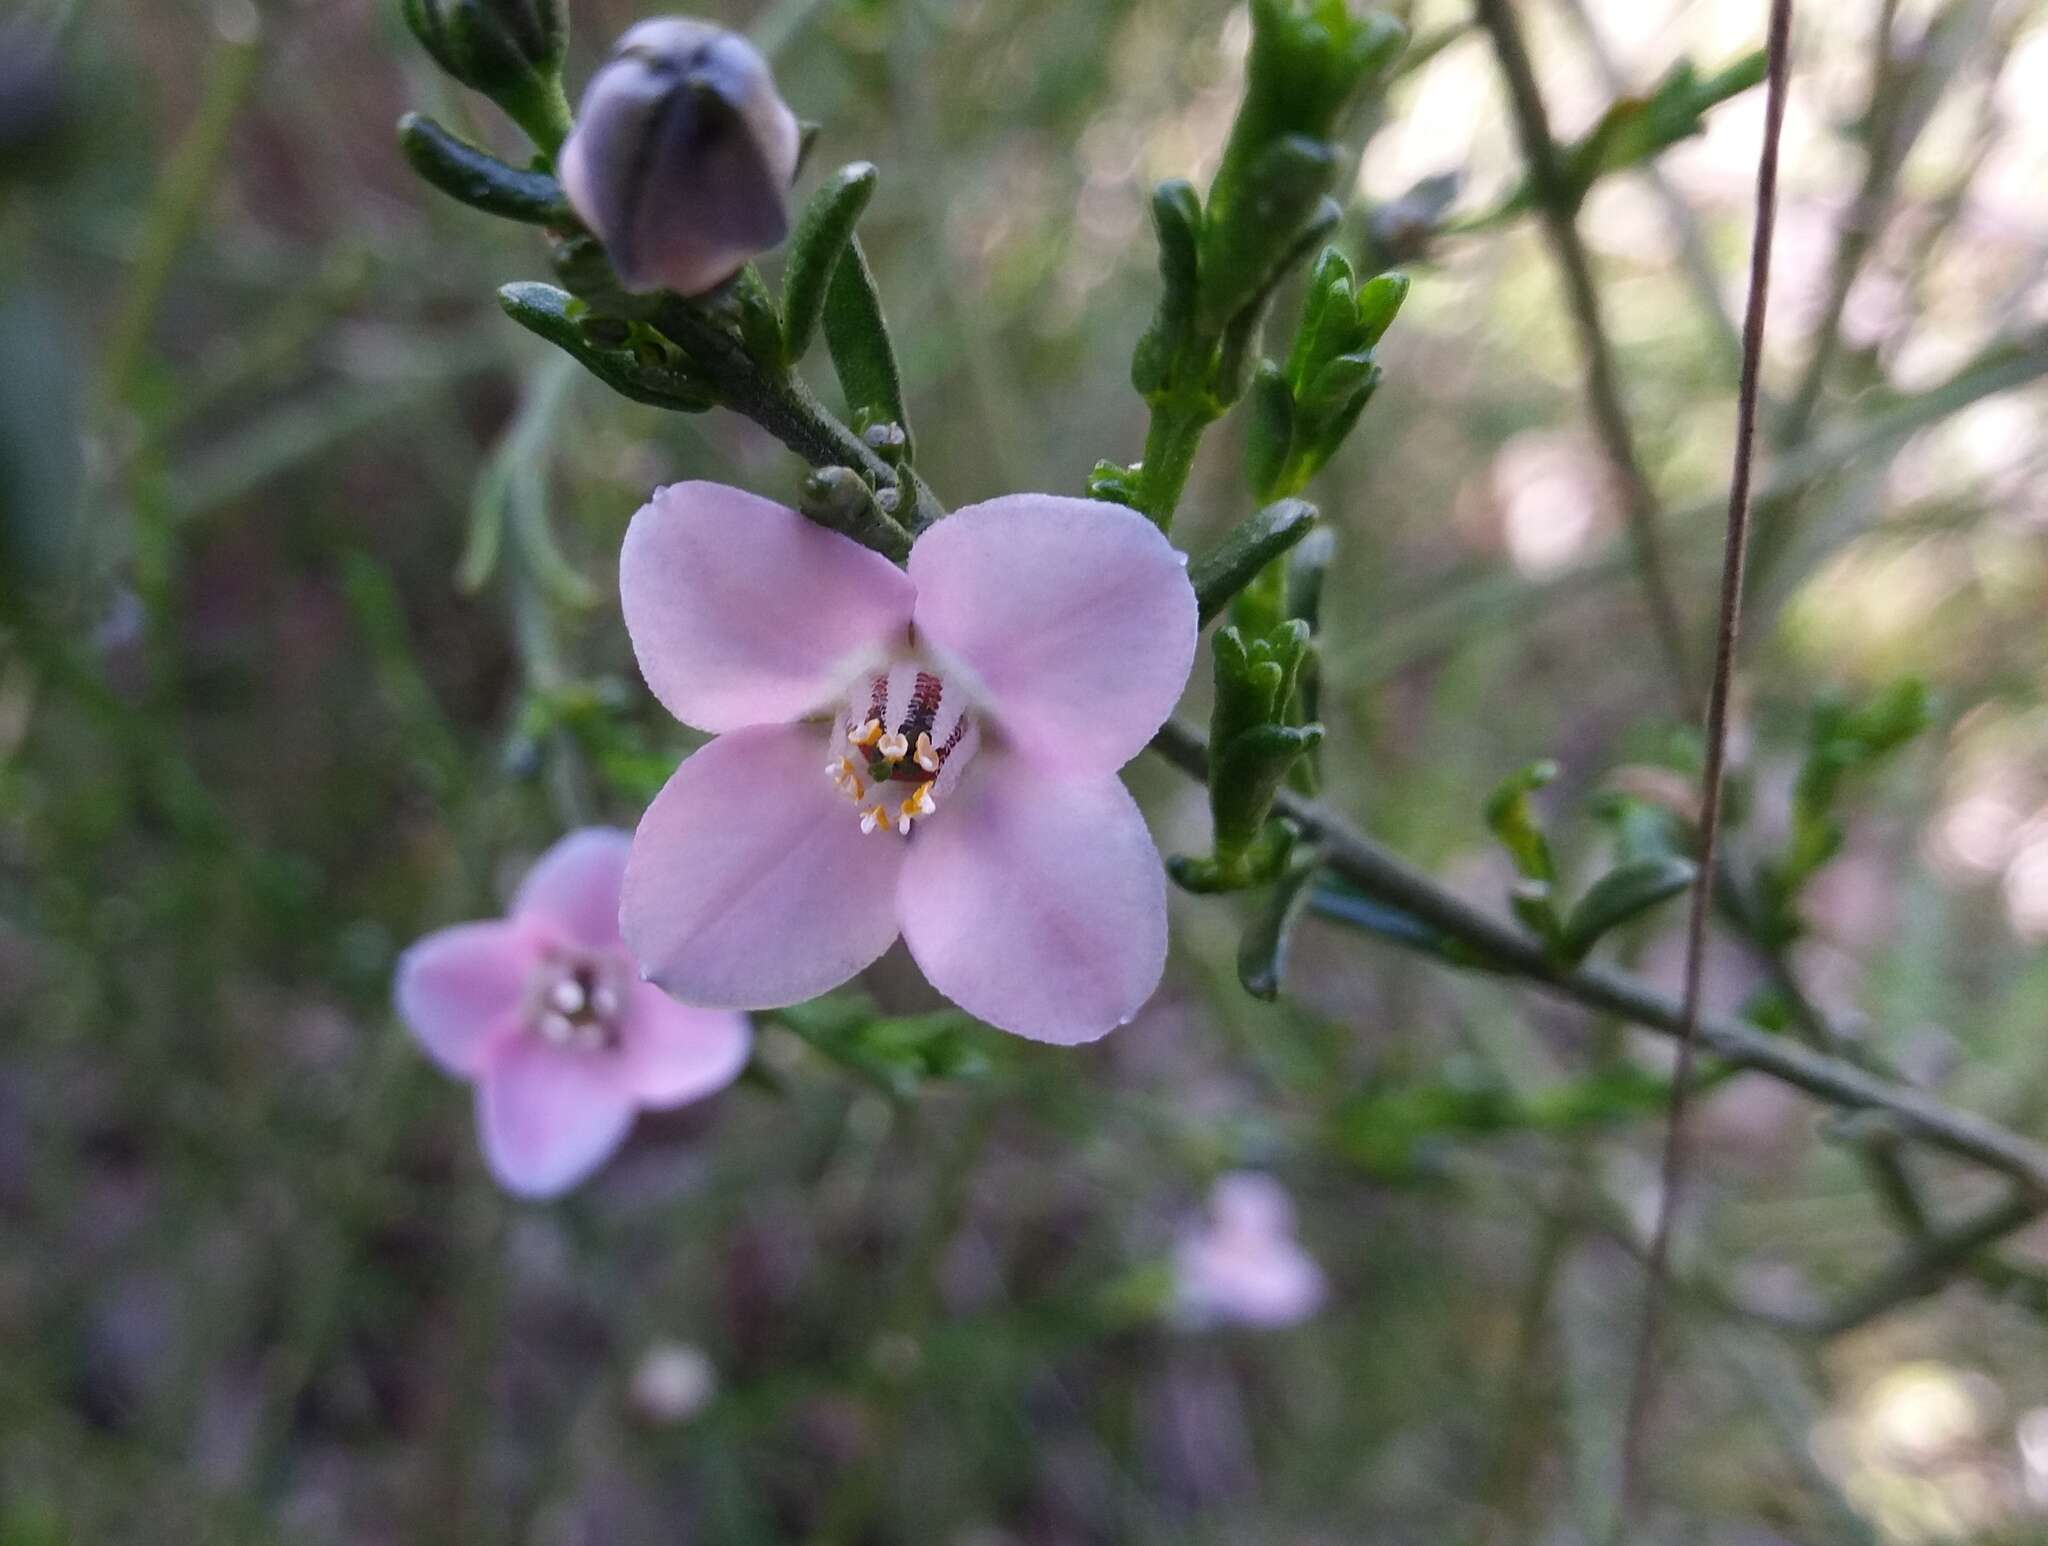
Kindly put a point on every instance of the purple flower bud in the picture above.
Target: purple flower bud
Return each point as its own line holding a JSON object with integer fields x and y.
{"x": 682, "y": 156}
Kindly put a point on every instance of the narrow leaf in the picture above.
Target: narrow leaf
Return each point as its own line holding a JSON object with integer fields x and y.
{"x": 822, "y": 232}
{"x": 1625, "y": 892}
{"x": 1262, "y": 951}
{"x": 479, "y": 179}
{"x": 857, "y": 335}
{"x": 1252, "y": 544}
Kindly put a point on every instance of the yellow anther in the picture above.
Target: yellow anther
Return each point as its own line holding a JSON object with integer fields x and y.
{"x": 867, "y": 734}
{"x": 892, "y": 746}
{"x": 919, "y": 804}
{"x": 927, "y": 754}
{"x": 845, "y": 777}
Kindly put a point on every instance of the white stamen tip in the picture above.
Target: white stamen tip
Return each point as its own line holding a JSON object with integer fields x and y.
{"x": 567, "y": 995}
{"x": 557, "y": 1028}
{"x": 604, "y": 1001}
{"x": 892, "y": 746}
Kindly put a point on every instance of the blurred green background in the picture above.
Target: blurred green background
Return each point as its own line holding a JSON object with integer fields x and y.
{"x": 311, "y": 644}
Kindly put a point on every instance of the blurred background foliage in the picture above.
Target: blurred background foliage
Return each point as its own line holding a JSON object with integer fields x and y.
{"x": 311, "y": 644}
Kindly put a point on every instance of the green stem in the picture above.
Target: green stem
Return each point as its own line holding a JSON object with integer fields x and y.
{"x": 1386, "y": 877}
{"x": 1171, "y": 440}
{"x": 542, "y": 111}
{"x": 175, "y": 209}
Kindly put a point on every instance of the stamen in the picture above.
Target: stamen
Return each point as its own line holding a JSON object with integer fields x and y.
{"x": 845, "y": 776}
{"x": 918, "y": 805}
{"x": 874, "y": 819}
{"x": 604, "y": 1003}
{"x": 557, "y": 1028}
{"x": 866, "y": 735}
{"x": 893, "y": 747}
{"x": 927, "y": 755}
{"x": 567, "y": 996}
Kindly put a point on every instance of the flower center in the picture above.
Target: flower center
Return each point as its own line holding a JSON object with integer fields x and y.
{"x": 578, "y": 1001}
{"x": 899, "y": 747}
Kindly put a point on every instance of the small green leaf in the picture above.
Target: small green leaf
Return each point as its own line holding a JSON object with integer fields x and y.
{"x": 479, "y": 179}
{"x": 1251, "y": 545}
{"x": 1177, "y": 219}
{"x": 822, "y": 233}
{"x": 1248, "y": 774}
{"x": 1378, "y": 304}
{"x": 1512, "y": 820}
{"x": 1262, "y": 950}
{"x": 1623, "y": 894}
{"x": 554, "y": 315}
{"x": 1269, "y": 431}
{"x": 857, "y": 335}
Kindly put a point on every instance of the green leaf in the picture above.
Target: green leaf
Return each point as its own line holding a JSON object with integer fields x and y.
{"x": 898, "y": 1053}
{"x": 1248, "y": 773}
{"x": 822, "y": 234}
{"x": 1269, "y": 433}
{"x": 479, "y": 179}
{"x": 1177, "y": 219}
{"x": 1251, "y": 545}
{"x": 1623, "y": 894}
{"x": 1513, "y": 821}
{"x": 1378, "y": 304}
{"x": 1262, "y": 950}
{"x": 554, "y": 315}
{"x": 857, "y": 335}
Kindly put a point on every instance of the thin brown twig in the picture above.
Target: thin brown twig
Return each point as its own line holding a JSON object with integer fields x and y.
{"x": 1727, "y": 638}
{"x": 1557, "y": 206}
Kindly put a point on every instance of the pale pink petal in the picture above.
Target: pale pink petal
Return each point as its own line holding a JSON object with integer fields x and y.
{"x": 1259, "y": 1280}
{"x": 1040, "y": 907}
{"x": 1075, "y": 616}
{"x": 549, "y": 1115}
{"x": 670, "y": 1053}
{"x": 461, "y": 989}
{"x": 574, "y": 886}
{"x": 744, "y": 613}
{"x": 751, "y": 884}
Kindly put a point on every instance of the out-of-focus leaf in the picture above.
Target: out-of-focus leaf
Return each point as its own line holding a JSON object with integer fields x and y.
{"x": 898, "y": 1053}
{"x": 1624, "y": 893}
{"x": 1512, "y": 819}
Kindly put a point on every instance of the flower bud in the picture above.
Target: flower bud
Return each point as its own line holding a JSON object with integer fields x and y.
{"x": 682, "y": 156}
{"x": 510, "y": 50}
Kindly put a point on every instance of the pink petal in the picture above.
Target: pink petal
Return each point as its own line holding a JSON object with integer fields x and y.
{"x": 549, "y": 1115}
{"x": 670, "y": 1053}
{"x": 1267, "y": 1282}
{"x": 751, "y": 884}
{"x": 462, "y": 988}
{"x": 744, "y": 613}
{"x": 1040, "y": 907}
{"x": 574, "y": 887}
{"x": 1076, "y": 616}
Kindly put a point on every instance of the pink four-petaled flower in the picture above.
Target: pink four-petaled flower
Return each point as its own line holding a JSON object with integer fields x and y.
{"x": 1243, "y": 1265}
{"x": 546, "y": 1013}
{"x": 930, "y": 751}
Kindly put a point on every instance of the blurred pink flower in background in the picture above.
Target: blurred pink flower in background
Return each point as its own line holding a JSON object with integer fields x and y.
{"x": 1242, "y": 1265}
{"x": 933, "y": 753}
{"x": 546, "y": 1013}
